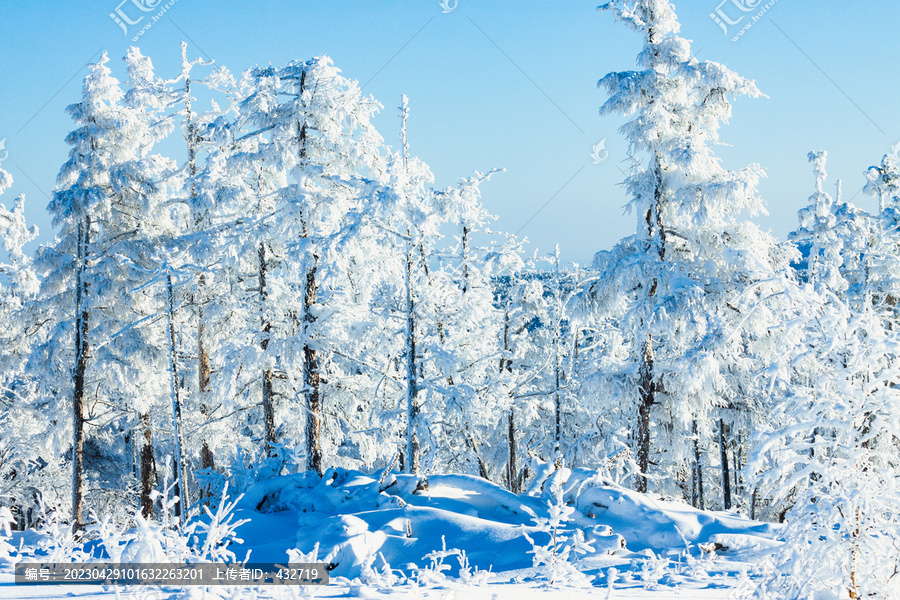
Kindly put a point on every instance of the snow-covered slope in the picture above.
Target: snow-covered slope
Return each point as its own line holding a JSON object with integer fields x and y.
{"x": 571, "y": 534}
{"x": 359, "y": 521}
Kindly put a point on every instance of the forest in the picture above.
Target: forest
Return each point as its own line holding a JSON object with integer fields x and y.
{"x": 296, "y": 297}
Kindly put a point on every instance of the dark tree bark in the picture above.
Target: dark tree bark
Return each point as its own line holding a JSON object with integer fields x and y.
{"x": 511, "y": 467}
{"x": 482, "y": 467}
{"x": 148, "y": 468}
{"x": 268, "y": 397}
{"x": 557, "y": 405}
{"x": 646, "y": 391}
{"x": 180, "y": 470}
{"x": 412, "y": 383}
{"x": 311, "y": 377}
{"x": 726, "y": 476}
{"x": 203, "y": 369}
{"x": 203, "y": 366}
{"x": 698, "y": 468}
{"x": 854, "y": 559}
{"x": 82, "y": 354}
{"x": 207, "y": 461}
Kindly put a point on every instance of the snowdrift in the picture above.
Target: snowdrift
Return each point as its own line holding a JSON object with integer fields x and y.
{"x": 361, "y": 521}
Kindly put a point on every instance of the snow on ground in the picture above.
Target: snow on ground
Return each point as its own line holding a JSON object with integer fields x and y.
{"x": 458, "y": 536}
{"x": 493, "y": 592}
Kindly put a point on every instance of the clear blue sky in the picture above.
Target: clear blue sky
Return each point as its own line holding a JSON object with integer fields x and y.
{"x": 493, "y": 84}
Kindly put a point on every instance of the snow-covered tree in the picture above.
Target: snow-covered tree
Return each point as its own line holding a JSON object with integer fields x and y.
{"x": 823, "y": 243}
{"x": 202, "y": 131}
{"x": 19, "y": 423}
{"x": 881, "y": 274}
{"x": 830, "y": 453}
{"x": 686, "y": 298}
{"x": 471, "y": 329}
{"x": 305, "y": 141}
{"x": 107, "y": 208}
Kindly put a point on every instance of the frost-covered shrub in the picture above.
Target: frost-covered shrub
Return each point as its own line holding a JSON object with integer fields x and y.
{"x": 165, "y": 541}
{"x": 57, "y": 543}
{"x": 555, "y": 559}
{"x": 433, "y": 574}
{"x": 653, "y": 568}
{"x": 6, "y": 519}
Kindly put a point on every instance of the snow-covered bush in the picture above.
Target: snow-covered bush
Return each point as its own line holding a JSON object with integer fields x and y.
{"x": 653, "y": 568}
{"x": 556, "y": 559}
{"x": 6, "y": 519}
{"x": 57, "y": 542}
{"x": 167, "y": 541}
{"x": 384, "y": 577}
{"x": 433, "y": 575}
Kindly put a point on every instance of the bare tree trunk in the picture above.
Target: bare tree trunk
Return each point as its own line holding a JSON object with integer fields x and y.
{"x": 148, "y": 468}
{"x": 660, "y": 227}
{"x": 203, "y": 367}
{"x": 505, "y": 361}
{"x": 736, "y": 466}
{"x": 131, "y": 439}
{"x": 506, "y": 365}
{"x": 482, "y": 468}
{"x": 512, "y": 468}
{"x": 412, "y": 458}
{"x": 180, "y": 470}
{"x": 694, "y": 487}
{"x": 311, "y": 377}
{"x": 698, "y": 468}
{"x": 854, "y": 559}
{"x": 268, "y": 402}
{"x": 726, "y": 476}
{"x": 82, "y": 353}
{"x": 646, "y": 392}
{"x": 207, "y": 461}
{"x": 557, "y": 342}
{"x": 557, "y": 404}
{"x": 412, "y": 384}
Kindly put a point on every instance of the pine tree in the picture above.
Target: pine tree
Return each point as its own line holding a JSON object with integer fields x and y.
{"x": 84, "y": 184}
{"x": 107, "y": 208}
{"x": 312, "y": 126}
{"x": 880, "y": 248}
{"x": 830, "y": 455}
{"x": 19, "y": 326}
{"x": 834, "y": 239}
{"x": 685, "y": 292}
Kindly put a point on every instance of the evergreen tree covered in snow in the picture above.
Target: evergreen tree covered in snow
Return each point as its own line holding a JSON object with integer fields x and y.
{"x": 19, "y": 422}
{"x": 104, "y": 341}
{"x": 685, "y": 301}
{"x": 881, "y": 281}
{"x": 820, "y": 238}
{"x": 304, "y": 146}
{"x": 830, "y": 453}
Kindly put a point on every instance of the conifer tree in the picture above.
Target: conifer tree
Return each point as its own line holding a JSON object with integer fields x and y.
{"x": 684, "y": 293}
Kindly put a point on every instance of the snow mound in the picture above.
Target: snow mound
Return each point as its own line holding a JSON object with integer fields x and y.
{"x": 361, "y": 521}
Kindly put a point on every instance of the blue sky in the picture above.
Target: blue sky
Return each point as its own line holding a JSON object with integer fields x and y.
{"x": 493, "y": 84}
